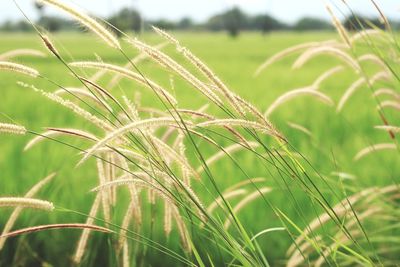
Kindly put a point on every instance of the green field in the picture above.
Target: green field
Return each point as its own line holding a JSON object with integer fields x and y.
{"x": 336, "y": 137}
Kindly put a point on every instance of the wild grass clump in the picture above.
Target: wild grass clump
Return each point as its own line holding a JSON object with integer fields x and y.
{"x": 155, "y": 162}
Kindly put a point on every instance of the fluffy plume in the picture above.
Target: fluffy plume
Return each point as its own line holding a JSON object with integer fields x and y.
{"x": 14, "y": 67}
{"x": 12, "y": 128}
{"x": 14, "y": 215}
{"x": 56, "y": 226}
{"x": 86, "y": 21}
{"x": 26, "y": 202}
{"x": 295, "y": 93}
{"x": 328, "y": 50}
{"x": 21, "y": 52}
{"x": 368, "y": 150}
{"x": 127, "y": 73}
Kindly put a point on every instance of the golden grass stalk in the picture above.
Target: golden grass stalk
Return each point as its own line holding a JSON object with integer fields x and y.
{"x": 105, "y": 195}
{"x": 374, "y": 148}
{"x": 300, "y": 128}
{"x": 326, "y": 50}
{"x": 119, "y": 182}
{"x": 125, "y": 255}
{"x": 83, "y": 93}
{"x": 343, "y": 238}
{"x": 389, "y": 104}
{"x": 73, "y": 107}
{"x": 195, "y": 113}
{"x": 165, "y": 60}
{"x": 53, "y": 132}
{"x": 125, "y": 223}
{"x": 255, "y": 112}
{"x": 167, "y": 218}
{"x": 133, "y": 126}
{"x": 136, "y": 60}
{"x": 12, "y": 129}
{"x": 168, "y": 152}
{"x": 223, "y": 152}
{"x": 206, "y": 71}
{"x": 137, "y": 212}
{"x": 374, "y": 59}
{"x": 57, "y": 226}
{"x": 131, "y": 108}
{"x": 349, "y": 92}
{"x": 389, "y": 128}
{"x": 363, "y": 34}
{"x": 303, "y": 250}
{"x": 87, "y": 21}
{"x": 342, "y": 208}
{"x": 50, "y": 46}
{"x": 127, "y": 73}
{"x": 244, "y": 183}
{"x": 82, "y": 243}
{"x": 386, "y": 91}
{"x": 383, "y": 17}
{"x": 167, "y": 36}
{"x": 287, "y": 52}
{"x": 381, "y": 76}
{"x": 339, "y": 27}
{"x": 109, "y": 173}
{"x": 239, "y": 122}
{"x": 327, "y": 74}
{"x": 126, "y": 152}
{"x": 227, "y": 195}
{"x": 14, "y": 215}
{"x": 309, "y": 91}
{"x": 182, "y": 230}
{"x": 244, "y": 202}
{"x": 26, "y": 202}
{"x": 15, "y": 67}
{"x": 343, "y": 175}
{"x": 21, "y": 52}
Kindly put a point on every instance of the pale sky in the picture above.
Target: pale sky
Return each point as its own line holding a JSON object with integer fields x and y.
{"x": 285, "y": 10}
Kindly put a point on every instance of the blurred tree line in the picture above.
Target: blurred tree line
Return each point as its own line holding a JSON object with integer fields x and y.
{"x": 232, "y": 21}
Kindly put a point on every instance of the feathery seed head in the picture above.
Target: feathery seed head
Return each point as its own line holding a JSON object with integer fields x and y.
{"x": 86, "y": 21}
{"x": 12, "y": 128}
{"x": 14, "y": 67}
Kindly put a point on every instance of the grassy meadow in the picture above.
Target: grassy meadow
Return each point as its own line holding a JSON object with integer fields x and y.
{"x": 330, "y": 148}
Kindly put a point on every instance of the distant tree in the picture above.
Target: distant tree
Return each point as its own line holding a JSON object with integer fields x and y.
{"x": 185, "y": 24}
{"x": 357, "y": 23}
{"x": 22, "y": 26}
{"x": 265, "y": 23}
{"x": 40, "y": 8}
{"x": 312, "y": 24}
{"x": 127, "y": 19}
{"x": 215, "y": 23}
{"x": 234, "y": 21}
{"x": 50, "y": 23}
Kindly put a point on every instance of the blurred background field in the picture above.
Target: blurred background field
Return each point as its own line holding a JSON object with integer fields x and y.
{"x": 335, "y": 139}
{"x": 233, "y": 44}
